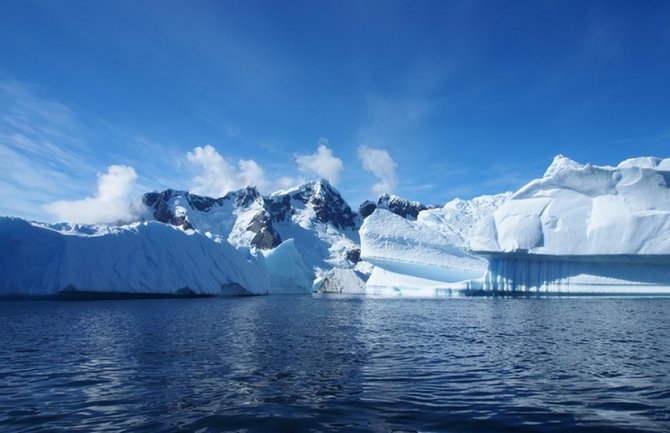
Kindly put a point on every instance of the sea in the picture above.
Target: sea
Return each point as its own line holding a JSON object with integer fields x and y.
{"x": 335, "y": 364}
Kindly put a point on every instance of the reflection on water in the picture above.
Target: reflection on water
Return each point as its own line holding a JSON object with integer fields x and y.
{"x": 336, "y": 364}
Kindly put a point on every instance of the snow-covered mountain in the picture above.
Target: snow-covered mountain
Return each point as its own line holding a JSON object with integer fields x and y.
{"x": 580, "y": 228}
{"x": 394, "y": 204}
{"x": 321, "y": 223}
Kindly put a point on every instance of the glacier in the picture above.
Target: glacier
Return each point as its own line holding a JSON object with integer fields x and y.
{"x": 582, "y": 228}
{"x": 143, "y": 258}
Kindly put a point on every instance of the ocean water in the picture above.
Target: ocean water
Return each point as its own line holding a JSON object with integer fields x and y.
{"x": 313, "y": 364}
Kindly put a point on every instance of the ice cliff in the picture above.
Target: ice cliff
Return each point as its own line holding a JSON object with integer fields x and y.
{"x": 413, "y": 258}
{"x": 582, "y": 209}
{"x": 582, "y": 228}
{"x": 142, "y": 258}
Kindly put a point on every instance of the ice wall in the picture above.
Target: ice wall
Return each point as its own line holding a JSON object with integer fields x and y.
{"x": 533, "y": 273}
{"x": 582, "y": 229}
{"x": 288, "y": 272}
{"x": 411, "y": 258}
{"x": 142, "y": 258}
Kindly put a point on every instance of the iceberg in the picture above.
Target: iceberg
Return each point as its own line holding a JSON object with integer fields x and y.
{"x": 582, "y": 228}
{"x": 413, "y": 259}
{"x": 288, "y": 272}
{"x": 147, "y": 258}
{"x": 338, "y": 280}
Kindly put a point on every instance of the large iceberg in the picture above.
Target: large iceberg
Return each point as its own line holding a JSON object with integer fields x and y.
{"x": 142, "y": 258}
{"x": 582, "y": 229}
{"x": 413, "y": 258}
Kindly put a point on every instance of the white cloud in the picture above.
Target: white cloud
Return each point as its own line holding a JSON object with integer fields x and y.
{"x": 379, "y": 163}
{"x": 217, "y": 176}
{"x": 111, "y": 204}
{"x": 287, "y": 182}
{"x": 322, "y": 163}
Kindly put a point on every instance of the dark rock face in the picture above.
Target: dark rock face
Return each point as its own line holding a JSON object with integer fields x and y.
{"x": 265, "y": 236}
{"x": 328, "y": 205}
{"x": 244, "y": 197}
{"x": 150, "y": 198}
{"x": 366, "y": 208}
{"x": 200, "y": 203}
{"x": 160, "y": 204}
{"x": 399, "y": 206}
{"x": 280, "y": 208}
{"x": 354, "y": 256}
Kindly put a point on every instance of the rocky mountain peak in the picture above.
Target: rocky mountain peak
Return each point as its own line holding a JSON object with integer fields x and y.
{"x": 244, "y": 197}
{"x": 398, "y": 205}
{"x": 328, "y": 204}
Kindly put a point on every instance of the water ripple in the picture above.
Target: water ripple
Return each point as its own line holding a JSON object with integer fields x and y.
{"x": 328, "y": 364}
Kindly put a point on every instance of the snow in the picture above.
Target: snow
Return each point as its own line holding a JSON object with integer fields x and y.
{"x": 582, "y": 209}
{"x": 345, "y": 281}
{"x": 425, "y": 256}
{"x": 582, "y": 228}
{"x": 457, "y": 218}
{"x": 322, "y": 244}
{"x": 142, "y": 258}
{"x": 288, "y": 272}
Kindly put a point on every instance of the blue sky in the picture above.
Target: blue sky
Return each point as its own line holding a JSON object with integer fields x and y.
{"x": 429, "y": 100}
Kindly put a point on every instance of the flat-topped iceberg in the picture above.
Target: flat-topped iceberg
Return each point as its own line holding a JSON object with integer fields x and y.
{"x": 142, "y": 258}
{"x": 580, "y": 209}
{"x": 582, "y": 228}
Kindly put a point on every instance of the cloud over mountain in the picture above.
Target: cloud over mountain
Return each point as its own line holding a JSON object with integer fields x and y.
{"x": 321, "y": 163}
{"x": 111, "y": 204}
{"x": 379, "y": 163}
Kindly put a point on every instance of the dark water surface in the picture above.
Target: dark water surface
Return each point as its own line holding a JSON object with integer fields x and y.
{"x": 303, "y": 364}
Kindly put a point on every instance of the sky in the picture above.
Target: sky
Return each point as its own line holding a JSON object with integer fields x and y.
{"x": 101, "y": 101}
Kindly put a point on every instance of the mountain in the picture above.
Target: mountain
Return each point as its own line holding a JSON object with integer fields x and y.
{"x": 394, "y": 204}
{"x": 322, "y": 225}
{"x": 580, "y": 228}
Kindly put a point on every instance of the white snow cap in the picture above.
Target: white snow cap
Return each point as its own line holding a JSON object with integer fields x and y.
{"x": 582, "y": 209}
